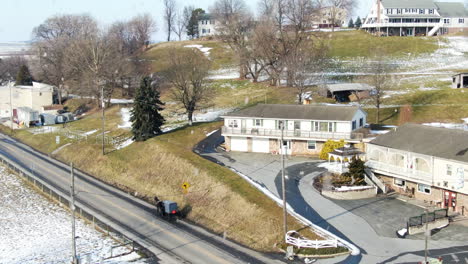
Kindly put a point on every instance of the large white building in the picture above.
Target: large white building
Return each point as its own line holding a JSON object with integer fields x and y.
{"x": 34, "y": 96}
{"x": 428, "y": 163}
{"x": 416, "y": 18}
{"x": 306, "y": 127}
{"x": 206, "y": 25}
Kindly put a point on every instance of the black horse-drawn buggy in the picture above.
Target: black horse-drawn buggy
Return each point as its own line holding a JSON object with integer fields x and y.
{"x": 167, "y": 209}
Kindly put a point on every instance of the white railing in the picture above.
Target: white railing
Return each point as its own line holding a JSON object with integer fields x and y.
{"x": 375, "y": 180}
{"x": 401, "y": 171}
{"x": 292, "y": 133}
{"x": 302, "y": 242}
{"x": 403, "y": 24}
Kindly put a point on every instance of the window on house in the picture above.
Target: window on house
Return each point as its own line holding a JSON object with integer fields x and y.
{"x": 361, "y": 122}
{"x": 461, "y": 21}
{"x": 446, "y": 184}
{"x": 297, "y": 125}
{"x": 203, "y": 31}
{"x": 279, "y": 124}
{"x": 316, "y": 126}
{"x": 446, "y": 20}
{"x": 233, "y": 123}
{"x": 398, "y": 11}
{"x": 421, "y": 11}
{"x": 40, "y": 94}
{"x": 323, "y": 126}
{"x": 424, "y": 188}
{"x": 354, "y": 125}
{"x": 258, "y": 122}
{"x": 399, "y": 182}
{"x": 311, "y": 145}
{"x": 449, "y": 170}
{"x": 431, "y": 11}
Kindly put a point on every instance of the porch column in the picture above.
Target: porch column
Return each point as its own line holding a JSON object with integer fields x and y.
{"x": 387, "y": 31}
{"x": 414, "y": 31}
{"x": 401, "y": 31}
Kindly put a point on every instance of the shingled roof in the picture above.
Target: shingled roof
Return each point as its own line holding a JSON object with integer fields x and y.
{"x": 298, "y": 112}
{"x": 409, "y": 4}
{"x": 455, "y": 9}
{"x": 433, "y": 141}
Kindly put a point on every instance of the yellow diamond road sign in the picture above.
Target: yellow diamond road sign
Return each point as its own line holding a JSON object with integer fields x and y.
{"x": 185, "y": 185}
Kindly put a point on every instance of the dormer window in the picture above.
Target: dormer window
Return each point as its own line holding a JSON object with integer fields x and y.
{"x": 421, "y": 11}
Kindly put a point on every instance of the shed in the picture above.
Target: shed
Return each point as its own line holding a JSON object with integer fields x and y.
{"x": 27, "y": 116}
{"x": 345, "y": 92}
{"x": 460, "y": 80}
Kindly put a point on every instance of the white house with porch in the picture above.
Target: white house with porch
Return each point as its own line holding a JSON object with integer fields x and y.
{"x": 428, "y": 163}
{"x": 34, "y": 96}
{"x": 416, "y": 18}
{"x": 304, "y": 128}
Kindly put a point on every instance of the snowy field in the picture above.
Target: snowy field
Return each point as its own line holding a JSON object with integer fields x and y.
{"x": 35, "y": 230}
{"x": 11, "y": 48}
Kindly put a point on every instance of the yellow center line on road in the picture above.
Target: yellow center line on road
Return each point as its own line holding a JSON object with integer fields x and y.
{"x": 153, "y": 224}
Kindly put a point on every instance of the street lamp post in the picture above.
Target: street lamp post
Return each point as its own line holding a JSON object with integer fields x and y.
{"x": 11, "y": 107}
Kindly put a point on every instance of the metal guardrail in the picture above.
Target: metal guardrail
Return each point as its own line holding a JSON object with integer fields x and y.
{"x": 431, "y": 217}
{"x": 81, "y": 210}
{"x": 292, "y": 133}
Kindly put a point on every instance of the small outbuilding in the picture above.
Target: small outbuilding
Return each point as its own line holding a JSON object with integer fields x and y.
{"x": 27, "y": 116}
{"x": 346, "y": 92}
{"x": 460, "y": 80}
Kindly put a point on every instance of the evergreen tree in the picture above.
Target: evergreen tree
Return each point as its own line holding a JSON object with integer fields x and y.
{"x": 192, "y": 26}
{"x": 24, "y": 76}
{"x": 356, "y": 171}
{"x": 146, "y": 119}
{"x": 358, "y": 23}
{"x": 351, "y": 23}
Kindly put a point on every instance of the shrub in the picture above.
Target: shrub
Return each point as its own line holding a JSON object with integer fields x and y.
{"x": 330, "y": 146}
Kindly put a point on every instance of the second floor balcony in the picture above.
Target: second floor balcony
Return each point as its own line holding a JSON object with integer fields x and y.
{"x": 403, "y": 172}
{"x": 298, "y": 134}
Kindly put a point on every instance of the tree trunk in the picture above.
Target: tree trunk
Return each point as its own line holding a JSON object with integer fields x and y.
{"x": 378, "y": 115}
{"x": 59, "y": 95}
{"x": 190, "y": 117}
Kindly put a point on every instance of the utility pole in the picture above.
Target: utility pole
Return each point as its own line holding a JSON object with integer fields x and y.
{"x": 426, "y": 236}
{"x": 11, "y": 108}
{"x": 72, "y": 208}
{"x": 283, "y": 181}
{"x": 103, "y": 120}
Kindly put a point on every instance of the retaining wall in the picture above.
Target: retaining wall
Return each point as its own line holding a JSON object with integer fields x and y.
{"x": 350, "y": 195}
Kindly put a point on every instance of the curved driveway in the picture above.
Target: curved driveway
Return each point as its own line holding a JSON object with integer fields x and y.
{"x": 305, "y": 200}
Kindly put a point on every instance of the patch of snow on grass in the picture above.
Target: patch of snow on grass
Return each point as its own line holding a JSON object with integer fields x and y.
{"x": 204, "y": 50}
{"x": 210, "y": 115}
{"x": 121, "y": 101}
{"x": 224, "y": 74}
{"x": 125, "y": 113}
{"x": 90, "y": 132}
{"x": 125, "y": 143}
{"x": 211, "y": 133}
{"x": 36, "y": 231}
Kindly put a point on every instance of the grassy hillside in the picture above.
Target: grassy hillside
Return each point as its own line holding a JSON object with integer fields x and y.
{"x": 218, "y": 198}
{"x": 348, "y": 44}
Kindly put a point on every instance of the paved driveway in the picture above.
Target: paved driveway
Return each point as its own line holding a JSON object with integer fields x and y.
{"x": 347, "y": 220}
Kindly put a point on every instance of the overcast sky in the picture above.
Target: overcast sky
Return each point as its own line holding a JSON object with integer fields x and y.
{"x": 19, "y": 17}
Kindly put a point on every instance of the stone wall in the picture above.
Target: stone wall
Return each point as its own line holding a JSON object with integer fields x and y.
{"x": 299, "y": 147}
{"x": 350, "y": 195}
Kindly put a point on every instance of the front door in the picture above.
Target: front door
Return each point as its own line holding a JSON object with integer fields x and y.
{"x": 243, "y": 126}
{"x": 286, "y": 146}
{"x": 450, "y": 200}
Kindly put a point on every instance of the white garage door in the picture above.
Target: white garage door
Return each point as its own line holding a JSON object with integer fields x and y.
{"x": 239, "y": 144}
{"x": 261, "y": 145}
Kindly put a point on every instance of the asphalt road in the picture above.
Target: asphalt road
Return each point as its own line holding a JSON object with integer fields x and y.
{"x": 178, "y": 242}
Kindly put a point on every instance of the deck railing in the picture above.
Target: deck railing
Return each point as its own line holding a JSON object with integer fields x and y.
{"x": 302, "y": 134}
{"x": 402, "y": 171}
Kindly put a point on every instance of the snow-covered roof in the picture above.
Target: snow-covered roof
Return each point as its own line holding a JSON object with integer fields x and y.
{"x": 339, "y": 87}
{"x": 41, "y": 87}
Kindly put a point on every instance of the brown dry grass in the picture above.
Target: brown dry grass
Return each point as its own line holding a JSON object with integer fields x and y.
{"x": 219, "y": 199}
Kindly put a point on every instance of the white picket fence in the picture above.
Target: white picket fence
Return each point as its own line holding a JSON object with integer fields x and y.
{"x": 302, "y": 242}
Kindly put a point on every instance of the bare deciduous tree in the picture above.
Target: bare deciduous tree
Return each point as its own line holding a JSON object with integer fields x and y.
{"x": 142, "y": 26}
{"x": 180, "y": 25}
{"x": 52, "y": 42}
{"x": 188, "y": 75}
{"x": 169, "y": 16}
{"x": 234, "y": 25}
{"x": 380, "y": 78}
{"x": 9, "y": 68}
